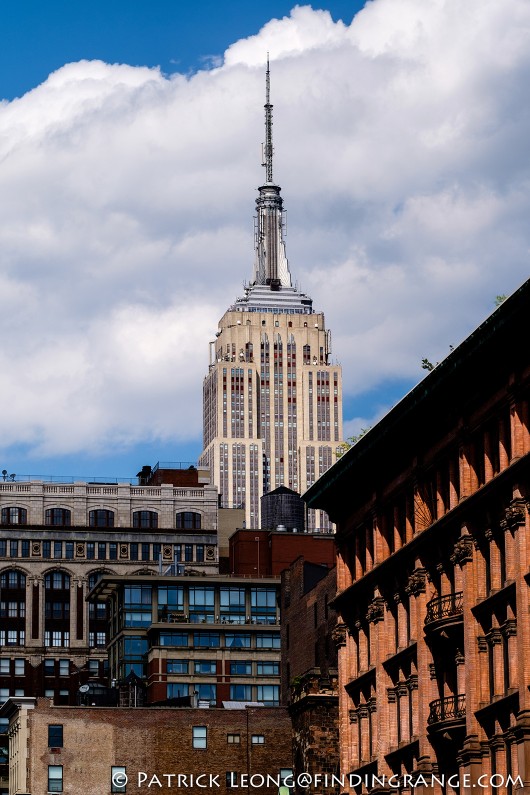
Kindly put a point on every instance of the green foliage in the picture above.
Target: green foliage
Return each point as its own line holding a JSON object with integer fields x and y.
{"x": 499, "y": 299}
{"x": 350, "y": 441}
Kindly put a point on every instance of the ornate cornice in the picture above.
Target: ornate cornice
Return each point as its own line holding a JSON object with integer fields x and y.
{"x": 417, "y": 582}
{"x": 462, "y": 551}
{"x": 376, "y": 610}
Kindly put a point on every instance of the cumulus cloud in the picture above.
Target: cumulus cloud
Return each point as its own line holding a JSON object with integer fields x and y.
{"x": 126, "y": 206}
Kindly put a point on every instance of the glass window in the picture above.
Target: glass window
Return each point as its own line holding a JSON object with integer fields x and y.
{"x": 13, "y": 579}
{"x": 173, "y": 639}
{"x": 263, "y": 605}
{"x": 201, "y": 602}
{"x": 177, "y": 666}
{"x": 25, "y": 549}
{"x": 118, "y": 779}
{"x": 57, "y": 580}
{"x": 258, "y": 739}
{"x": 46, "y": 549}
{"x": 20, "y": 666}
{"x": 55, "y": 735}
{"x": 57, "y": 517}
{"x": 232, "y": 605}
{"x": 233, "y": 739}
{"x": 199, "y": 737}
{"x": 241, "y": 692}
{"x": 57, "y": 549}
{"x": 145, "y": 552}
{"x": 55, "y": 778}
{"x": 14, "y": 516}
{"x": 187, "y": 520}
{"x": 13, "y": 549}
{"x": 177, "y": 552}
{"x": 237, "y": 640}
{"x": 210, "y": 639}
{"x": 69, "y": 550}
{"x": 90, "y": 550}
{"x": 5, "y": 666}
{"x": 240, "y": 668}
{"x": 268, "y": 668}
{"x": 64, "y": 667}
{"x": 4, "y": 694}
{"x": 102, "y": 550}
{"x": 3, "y": 548}
{"x": 268, "y": 694}
{"x": 113, "y": 551}
{"x": 133, "y": 551}
{"x": 205, "y": 667}
{"x": 268, "y": 640}
{"x": 93, "y": 667}
{"x": 177, "y": 689}
{"x": 199, "y": 553}
{"x": 170, "y": 602}
{"x": 206, "y": 692}
{"x": 49, "y": 667}
{"x": 101, "y": 518}
{"x": 146, "y": 520}
{"x": 188, "y": 552}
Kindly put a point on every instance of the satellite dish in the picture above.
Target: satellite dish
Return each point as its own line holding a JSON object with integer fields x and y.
{"x": 84, "y": 688}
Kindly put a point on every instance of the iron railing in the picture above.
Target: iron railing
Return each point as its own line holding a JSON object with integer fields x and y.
{"x": 448, "y": 708}
{"x": 444, "y": 607}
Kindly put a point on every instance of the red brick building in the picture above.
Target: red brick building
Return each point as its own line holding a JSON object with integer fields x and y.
{"x": 433, "y": 536}
{"x": 309, "y": 667}
{"x": 265, "y": 553}
{"x": 79, "y": 749}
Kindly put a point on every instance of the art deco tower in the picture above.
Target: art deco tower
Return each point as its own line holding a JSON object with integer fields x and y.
{"x": 272, "y": 401}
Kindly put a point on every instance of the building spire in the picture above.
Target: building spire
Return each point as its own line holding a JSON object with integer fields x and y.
{"x": 271, "y": 266}
{"x": 267, "y": 147}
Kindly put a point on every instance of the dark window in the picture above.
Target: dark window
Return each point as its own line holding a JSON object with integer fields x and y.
{"x": 146, "y": 520}
{"x": 157, "y": 552}
{"x": 188, "y": 520}
{"x": 14, "y": 516}
{"x": 177, "y": 550}
{"x": 57, "y": 549}
{"x": 55, "y": 735}
{"x": 46, "y": 549}
{"x": 3, "y": 548}
{"x": 13, "y": 579}
{"x": 101, "y": 518}
{"x": 113, "y": 551}
{"x": 145, "y": 552}
{"x": 90, "y": 550}
{"x": 58, "y": 517}
{"x": 188, "y": 552}
{"x": 57, "y": 581}
{"x": 25, "y": 549}
{"x": 49, "y": 667}
{"x": 102, "y": 550}
{"x": 69, "y": 550}
{"x": 199, "y": 553}
{"x": 13, "y": 549}
{"x": 133, "y": 551}
{"x": 240, "y": 668}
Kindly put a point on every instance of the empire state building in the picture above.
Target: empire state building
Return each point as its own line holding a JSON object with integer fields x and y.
{"x": 272, "y": 411}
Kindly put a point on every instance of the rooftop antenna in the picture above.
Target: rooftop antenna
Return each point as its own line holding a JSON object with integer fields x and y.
{"x": 267, "y": 148}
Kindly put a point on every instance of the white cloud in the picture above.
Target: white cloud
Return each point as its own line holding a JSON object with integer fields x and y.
{"x": 126, "y": 207}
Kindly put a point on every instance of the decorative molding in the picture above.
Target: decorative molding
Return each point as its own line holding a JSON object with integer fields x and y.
{"x": 376, "y": 610}
{"x": 338, "y": 635}
{"x": 482, "y": 643}
{"x": 514, "y": 516}
{"x": 417, "y": 583}
{"x": 462, "y": 551}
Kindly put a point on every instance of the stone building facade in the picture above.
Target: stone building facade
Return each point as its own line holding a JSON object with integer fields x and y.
{"x": 272, "y": 398}
{"x": 94, "y": 750}
{"x": 56, "y": 540}
{"x": 433, "y": 535}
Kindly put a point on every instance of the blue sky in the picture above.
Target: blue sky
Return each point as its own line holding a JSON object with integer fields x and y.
{"x": 129, "y": 159}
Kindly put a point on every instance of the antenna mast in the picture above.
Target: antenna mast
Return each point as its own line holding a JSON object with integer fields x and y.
{"x": 268, "y": 150}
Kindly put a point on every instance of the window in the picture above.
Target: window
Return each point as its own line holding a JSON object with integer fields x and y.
{"x": 5, "y": 666}
{"x": 97, "y": 640}
{"x": 46, "y": 549}
{"x": 177, "y": 666}
{"x": 93, "y": 667}
{"x": 188, "y": 552}
{"x": 199, "y": 553}
{"x": 49, "y": 693}
{"x": 64, "y": 667}
{"x": 3, "y": 548}
{"x": 4, "y": 694}
{"x": 145, "y": 552}
{"x": 268, "y": 668}
{"x": 20, "y": 666}
{"x": 231, "y": 779}
{"x": 157, "y": 552}
{"x": 118, "y": 779}
{"x": 57, "y": 638}
{"x": 187, "y": 520}
{"x": 55, "y": 778}
{"x": 240, "y": 693}
{"x": 177, "y": 552}
{"x": 133, "y": 551}
{"x": 199, "y": 737}
{"x": 58, "y": 517}
{"x": 57, "y": 580}
{"x": 258, "y": 739}
{"x": 113, "y": 551}
{"x": 177, "y": 690}
{"x": 236, "y": 640}
{"x": 49, "y": 667}
{"x": 13, "y": 549}
{"x": 102, "y": 550}
{"x": 55, "y": 735}
{"x": 14, "y": 516}
{"x": 146, "y": 520}
{"x": 57, "y": 549}
{"x": 263, "y": 605}
{"x": 241, "y": 668}
{"x": 101, "y": 518}
{"x": 232, "y": 605}
{"x": 173, "y": 639}
{"x": 13, "y": 579}
{"x": 201, "y": 599}
{"x": 25, "y": 549}
{"x": 210, "y": 639}
{"x": 233, "y": 739}
{"x": 268, "y": 694}
{"x": 268, "y": 640}
{"x": 207, "y": 692}
{"x": 205, "y": 667}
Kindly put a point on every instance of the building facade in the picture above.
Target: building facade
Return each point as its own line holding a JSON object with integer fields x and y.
{"x": 272, "y": 399}
{"x": 215, "y": 638}
{"x": 137, "y": 750}
{"x": 56, "y": 540}
{"x": 433, "y": 534}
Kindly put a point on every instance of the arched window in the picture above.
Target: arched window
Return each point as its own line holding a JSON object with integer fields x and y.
{"x": 94, "y": 578}
{"x": 188, "y": 520}
{"x": 101, "y": 518}
{"x": 12, "y": 579}
{"x": 57, "y": 581}
{"x": 146, "y": 520}
{"x": 58, "y": 517}
{"x": 14, "y": 516}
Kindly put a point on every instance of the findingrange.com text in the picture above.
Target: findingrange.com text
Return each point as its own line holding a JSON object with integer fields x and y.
{"x": 311, "y": 781}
